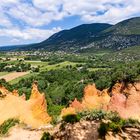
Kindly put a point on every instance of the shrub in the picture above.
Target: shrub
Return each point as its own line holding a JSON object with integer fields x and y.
{"x": 103, "y": 129}
{"x": 132, "y": 122}
{"x": 113, "y": 116}
{"x": 73, "y": 118}
{"x": 7, "y": 125}
{"x": 46, "y": 136}
{"x": 116, "y": 124}
{"x": 93, "y": 115}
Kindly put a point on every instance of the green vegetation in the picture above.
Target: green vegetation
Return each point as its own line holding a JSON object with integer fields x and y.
{"x": 19, "y": 67}
{"x": 116, "y": 126}
{"x": 46, "y": 136}
{"x": 93, "y": 115}
{"x": 62, "y": 76}
{"x": 73, "y": 118}
{"x": 7, "y": 125}
{"x": 15, "y": 81}
{"x": 3, "y": 73}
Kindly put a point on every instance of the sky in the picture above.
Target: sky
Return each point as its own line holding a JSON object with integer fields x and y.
{"x": 31, "y": 21}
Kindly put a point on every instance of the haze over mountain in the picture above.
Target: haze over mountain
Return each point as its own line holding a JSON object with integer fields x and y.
{"x": 96, "y": 36}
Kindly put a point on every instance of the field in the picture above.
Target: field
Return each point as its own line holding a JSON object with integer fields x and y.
{"x": 16, "y": 80}
{"x": 58, "y": 66}
{"x": 3, "y": 73}
{"x": 13, "y": 75}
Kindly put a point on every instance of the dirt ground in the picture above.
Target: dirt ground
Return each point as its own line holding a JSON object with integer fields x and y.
{"x": 13, "y": 75}
{"x": 18, "y": 133}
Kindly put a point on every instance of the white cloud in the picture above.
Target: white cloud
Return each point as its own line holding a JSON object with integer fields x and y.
{"x": 88, "y": 10}
{"x": 29, "y": 33}
{"x": 43, "y": 12}
{"x": 23, "y": 20}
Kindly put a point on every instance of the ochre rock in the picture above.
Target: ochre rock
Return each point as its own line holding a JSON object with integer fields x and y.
{"x": 118, "y": 104}
{"x": 77, "y": 105}
{"x": 127, "y": 103}
{"x": 15, "y": 93}
{"x": 117, "y": 88}
{"x": 93, "y": 99}
{"x": 90, "y": 90}
{"x": 105, "y": 98}
{"x": 123, "y": 98}
{"x": 4, "y": 91}
{"x": 32, "y": 112}
{"x": 68, "y": 111}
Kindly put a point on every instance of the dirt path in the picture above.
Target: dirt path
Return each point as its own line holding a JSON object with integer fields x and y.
{"x": 13, "y": 75}
{"x": 18, "y": 133}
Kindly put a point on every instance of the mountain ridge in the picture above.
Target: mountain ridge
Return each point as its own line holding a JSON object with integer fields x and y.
{"x": 96, "y": 36}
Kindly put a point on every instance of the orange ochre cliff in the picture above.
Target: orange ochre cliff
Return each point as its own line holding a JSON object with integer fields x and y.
{"x": 32, "y": 112}
{"x": 122, "y": 98}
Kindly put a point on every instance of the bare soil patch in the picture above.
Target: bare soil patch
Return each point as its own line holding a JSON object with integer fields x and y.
{"x": 13, "y": 75}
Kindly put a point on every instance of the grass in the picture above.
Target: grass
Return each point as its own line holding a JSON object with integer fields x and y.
{"x": 132, "y": 50}
{"x": 37, "y": 63}
{"x": 43, "y": 66}
{"x": 4, "y": 128}
{"x": 58, "y": 66}
{"x": 3, "y": 73}
{"x": 96, "y": 69}
{"x": 25, "y": 76}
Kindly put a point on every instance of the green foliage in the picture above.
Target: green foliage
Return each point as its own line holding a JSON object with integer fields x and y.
{"x": 46, "y": 136}
{"x": 54, "y": 111}
{"x": 5, "y": 84}
{"x": 115, "y": 124}
{"x": 73, "y": 118}
{"x": 7, "y": 125}
{"x": 103, "y": 129}
{"x": 93, "y": 115}
{"x": 113, "y": 116}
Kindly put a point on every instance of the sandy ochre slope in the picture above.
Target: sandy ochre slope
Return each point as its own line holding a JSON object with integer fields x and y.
{"x": 32, "y": 112}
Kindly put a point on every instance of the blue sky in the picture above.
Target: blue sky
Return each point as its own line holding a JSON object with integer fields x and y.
{"x": 30, "y": 21}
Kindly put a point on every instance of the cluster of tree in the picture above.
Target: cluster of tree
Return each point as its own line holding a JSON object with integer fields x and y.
{"x": 19, "y": 67}
{"x": 63, "y": 85}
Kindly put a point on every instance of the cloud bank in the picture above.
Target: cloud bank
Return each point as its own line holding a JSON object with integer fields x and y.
{"x": 26, "y": 19}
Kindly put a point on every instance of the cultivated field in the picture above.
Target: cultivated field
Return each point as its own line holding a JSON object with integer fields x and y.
{"x": 13, "y": 75}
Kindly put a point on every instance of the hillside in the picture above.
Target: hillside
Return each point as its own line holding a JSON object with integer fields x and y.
{"x": 95, "y": 37}
{"x": 90, "y": 38}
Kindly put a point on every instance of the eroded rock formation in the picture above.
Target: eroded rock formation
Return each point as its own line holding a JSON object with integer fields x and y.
{"x": 32, "y": 112}
{"x": 122, "y": 98}
{"x": 93, "y": 99}
{"x": 127, "y": 102}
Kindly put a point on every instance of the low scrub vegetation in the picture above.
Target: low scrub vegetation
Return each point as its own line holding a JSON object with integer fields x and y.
{"x": 72, "y": 118}
{"x": 4, "y": 128}
{"x": 116, "y": 125}
{"x": 46, "y": 136}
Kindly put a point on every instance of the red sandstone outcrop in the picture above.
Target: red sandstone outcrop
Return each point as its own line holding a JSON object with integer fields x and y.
{"x": 77, "y": 105}
{"x": 125, "y": 100}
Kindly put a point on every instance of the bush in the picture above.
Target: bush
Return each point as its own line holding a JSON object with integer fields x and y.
{"x": 73, "y": 118}
{"x": 7, "y": 125}
{"x": 115, "y": 124}
{"x": 47, "y": 136}
{"x": 113, "y": 116}
{"x": 93, "y": 115}
{"x": 103, "y": 129}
